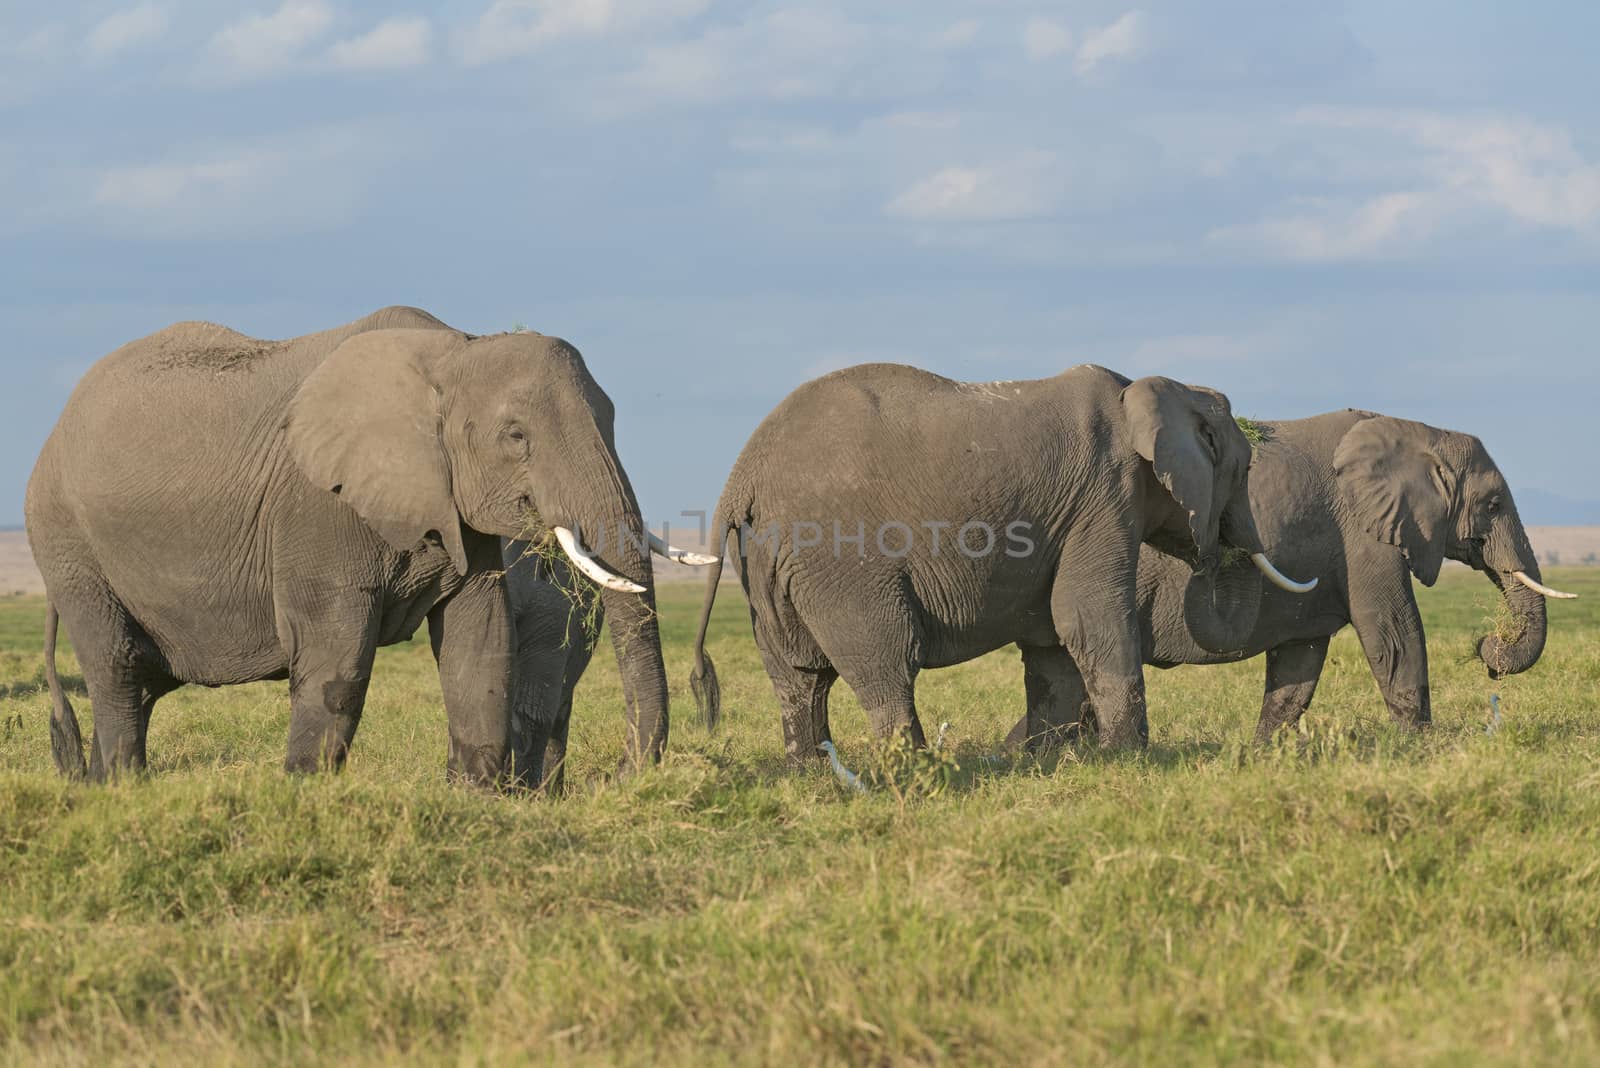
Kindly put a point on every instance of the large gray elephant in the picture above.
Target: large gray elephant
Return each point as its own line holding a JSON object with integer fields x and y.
{"x": 216, "y": 509}
{"x": 1371, "y": 501}
{"x": 557, "y": 617}
{"x": 892, "y": 520}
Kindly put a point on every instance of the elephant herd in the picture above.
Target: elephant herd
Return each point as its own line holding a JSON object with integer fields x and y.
{"x": 212, "y": 508}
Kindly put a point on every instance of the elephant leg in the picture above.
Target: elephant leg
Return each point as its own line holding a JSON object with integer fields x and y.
{"x": 883, "y": 675}
{"x": 529, "y": 743}
{"x": 116, "y": 658}
{"x": 1058, "y": 703}
{"x": 874, "y": 646}
{"x": 892, "y": 711}
{"x": 147, "y": 704}
{"x": 1384, "y": 613}
{"x": 1292, "y": 674}
{"x": 327, "y": 690}
{"x": 803, "y": 702}
{"x": 1094, "y": 605}
{"x": 331, "y": 642}
{"x": 536, "y": 697}
{"x": 474, "y": 642}
{"x": 555, "y": 752}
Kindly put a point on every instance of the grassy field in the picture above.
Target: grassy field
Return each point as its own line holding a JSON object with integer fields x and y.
{"x": 1353, "y": 895}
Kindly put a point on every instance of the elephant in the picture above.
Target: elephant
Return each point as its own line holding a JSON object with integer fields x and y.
{"x": 1371, "y": 501}
{"x": 557, "y": 618}
{"x": 216, "y": 509}
{"x": 916, "y": 478}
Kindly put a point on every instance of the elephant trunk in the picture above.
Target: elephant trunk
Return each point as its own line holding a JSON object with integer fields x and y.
{"x": 1519, "y": 633}
{"x": 1516, "y": 643}
{"x": 636, "y": 639}
{"x": 1221, "y": 604}
{"x": 598, "y": 524}
{"x": 1223, "y": 596}
{"x": 623, "y": 549}
{"x": 1518, "y": 638}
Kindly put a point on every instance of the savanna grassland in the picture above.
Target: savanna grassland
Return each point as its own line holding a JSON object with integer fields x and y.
{"x": 1353, "y": 894}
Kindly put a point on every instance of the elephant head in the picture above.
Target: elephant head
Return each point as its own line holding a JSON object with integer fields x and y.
{"x": 1201, "y": 459}
{"x": 424, "y": 432}
{"x": 1436, "y": 494}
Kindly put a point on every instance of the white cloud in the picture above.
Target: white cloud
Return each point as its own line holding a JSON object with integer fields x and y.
{"x": 957, "y": 34}
{"x": 511, "y": 28}
{"x": 1124, "y": 37}
{"x": 164, "y": 185}
{"x": 1449, "y": 170}
{"x": 1328, "y": 230}
{"x": 126, "y": 29}
{"x": 1045, "y": 39}
{"x": 1027, "y": 187}
{"x": 787, "y": 54}
{"x": 310, "y": 181}
{"x": 1420, "y": 176}
{"x": 260, "y": 44}
{"x": 392, "y": 44}
{"x": 1530, "y": 171}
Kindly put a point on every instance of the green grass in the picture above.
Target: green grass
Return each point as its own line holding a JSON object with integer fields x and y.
{"x": 1254, "y": 432}
{"x": 1354, "y": 895}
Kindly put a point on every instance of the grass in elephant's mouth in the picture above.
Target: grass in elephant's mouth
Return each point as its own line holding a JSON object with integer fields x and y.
{"x": 541, "y": 550}
{"x": 1353, "y": 894}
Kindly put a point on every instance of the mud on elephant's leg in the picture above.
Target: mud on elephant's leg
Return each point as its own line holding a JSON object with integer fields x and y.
{"x": 1059, "y": 709}
{"x": 327, "y": 690}
{"x": 1292, "y": 673}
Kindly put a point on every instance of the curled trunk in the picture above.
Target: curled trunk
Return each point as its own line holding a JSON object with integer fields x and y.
{"x": 1221, "y": 604}
{"x": 1518, "y": 638}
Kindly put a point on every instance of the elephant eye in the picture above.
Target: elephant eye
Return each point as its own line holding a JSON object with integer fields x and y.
{"x": 1494, "y": 505}
{"x": 515, "y": 442}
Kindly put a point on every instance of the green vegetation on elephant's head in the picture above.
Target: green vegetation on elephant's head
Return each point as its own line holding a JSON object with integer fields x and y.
{"x": 1255, "y": 433}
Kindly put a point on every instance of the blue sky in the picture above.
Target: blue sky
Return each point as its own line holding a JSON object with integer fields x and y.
{"x": 1307, "y": 205}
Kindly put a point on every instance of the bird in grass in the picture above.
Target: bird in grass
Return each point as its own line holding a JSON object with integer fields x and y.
{"x": 842, "y": 773}
{"x": 1494, "y": 714}
{"x": 938, "y": 743}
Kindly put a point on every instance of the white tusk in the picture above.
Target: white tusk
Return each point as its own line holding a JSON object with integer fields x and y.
{"x": 579, "y": 556}
{"x": 681, "y": 556}
{"x": 1278, "y": 578}
{"x": 1539, "y": 587}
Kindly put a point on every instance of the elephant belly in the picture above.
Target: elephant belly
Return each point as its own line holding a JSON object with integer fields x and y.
{"x": 946, "y": 644}
{"x": 217, "y": 645}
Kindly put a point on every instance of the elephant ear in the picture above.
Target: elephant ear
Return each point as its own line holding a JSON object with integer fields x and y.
{"x": 1399, "y": 488}
{"x": 1166, "y": 425}
{"x": 366, "y": 425}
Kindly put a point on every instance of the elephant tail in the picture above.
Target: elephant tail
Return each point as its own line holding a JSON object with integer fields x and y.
{"x": 66, "y": 743}
{"x": 703, "y": 676}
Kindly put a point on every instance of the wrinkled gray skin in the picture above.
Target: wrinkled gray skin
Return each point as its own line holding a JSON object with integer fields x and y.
{"x": 553, "y": 651}
{"x": 1367, "y": 501}
{"x": 216, "y": 509}
{"x": 1094, "y": 463}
